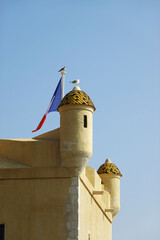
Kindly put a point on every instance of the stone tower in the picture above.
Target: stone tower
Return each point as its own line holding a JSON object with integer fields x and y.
{"x": 76, "y": 110}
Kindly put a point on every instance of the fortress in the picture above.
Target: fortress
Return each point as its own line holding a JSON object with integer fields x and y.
{"x": 46, "y": 190}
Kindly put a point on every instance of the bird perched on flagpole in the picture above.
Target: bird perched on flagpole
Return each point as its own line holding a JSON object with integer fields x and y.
{"x": 75, "y": 81}
{"x": 62, "y": 69}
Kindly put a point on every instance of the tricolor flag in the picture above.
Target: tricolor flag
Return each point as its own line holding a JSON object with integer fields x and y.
{"x": 54, "y": 103}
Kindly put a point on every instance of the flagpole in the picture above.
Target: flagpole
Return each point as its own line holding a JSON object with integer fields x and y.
{"x": 63, "y": 78}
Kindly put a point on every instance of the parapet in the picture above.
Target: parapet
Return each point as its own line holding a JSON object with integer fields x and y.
{"x": 41, "y": 151}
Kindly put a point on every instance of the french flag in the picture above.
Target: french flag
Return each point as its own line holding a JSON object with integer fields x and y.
{"x": 54, "y": 103}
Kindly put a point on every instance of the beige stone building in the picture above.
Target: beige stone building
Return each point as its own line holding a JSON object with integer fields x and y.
{"x": 46, "y": 190}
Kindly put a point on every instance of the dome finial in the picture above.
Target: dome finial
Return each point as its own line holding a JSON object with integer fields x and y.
{"x": 108, "y": 160}
{"x": 76, "y": 88}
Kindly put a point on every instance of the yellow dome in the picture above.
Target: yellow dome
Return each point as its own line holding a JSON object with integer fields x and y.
{"x": 109, "y": 168}
{"x": 76, "y": 97}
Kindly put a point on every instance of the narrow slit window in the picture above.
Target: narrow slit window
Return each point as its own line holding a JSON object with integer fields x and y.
{"x": 2, "y": 231}
{"x": 85, "y": 121}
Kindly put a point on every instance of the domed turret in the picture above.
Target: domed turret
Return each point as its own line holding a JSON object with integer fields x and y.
{"x": 110, "y": 175}
{"x": 76, "y": 110}
{"x": 109, "y": 168}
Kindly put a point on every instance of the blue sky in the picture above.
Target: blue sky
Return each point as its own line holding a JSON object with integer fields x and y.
{"x": 113, "y": 47}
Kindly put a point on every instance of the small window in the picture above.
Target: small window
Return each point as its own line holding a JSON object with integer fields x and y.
{"x": 2, "y": 231}
{"x": 85, "y": 121}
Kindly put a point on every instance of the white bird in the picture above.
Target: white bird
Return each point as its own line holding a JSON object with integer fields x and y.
{"x": 75, "y": 81}
{"x": 62, "y": 69}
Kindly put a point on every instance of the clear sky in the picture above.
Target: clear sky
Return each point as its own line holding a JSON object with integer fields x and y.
{"x": 114, "y": 48}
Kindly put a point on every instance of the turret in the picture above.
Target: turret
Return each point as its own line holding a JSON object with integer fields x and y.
{"x": 110, "y": 175}
{"x": 76, "y": 111}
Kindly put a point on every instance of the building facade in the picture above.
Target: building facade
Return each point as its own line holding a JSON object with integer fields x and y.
{"x": 46, "y": 190}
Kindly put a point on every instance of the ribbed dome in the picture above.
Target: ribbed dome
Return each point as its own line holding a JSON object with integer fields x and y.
{"x": 76, "y": 97}
{"x": 109, "y": 168}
